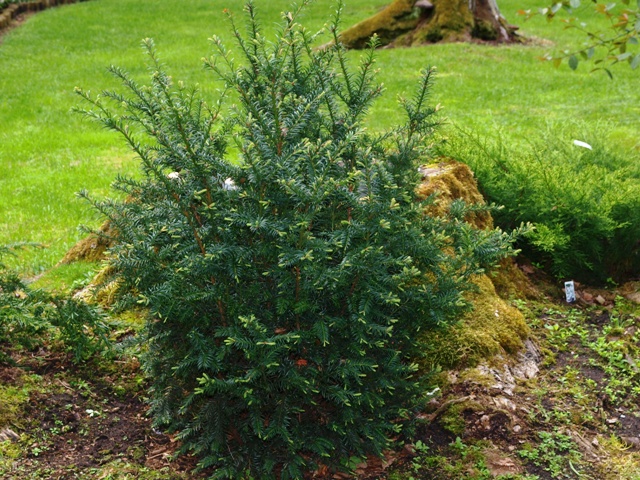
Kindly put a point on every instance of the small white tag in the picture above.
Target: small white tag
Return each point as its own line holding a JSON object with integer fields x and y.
{"x": 570, "y": 291}
{"x": 578, "y": 143}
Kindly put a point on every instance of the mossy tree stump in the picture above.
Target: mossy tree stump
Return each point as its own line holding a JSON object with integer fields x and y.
{"x": 416, "y": 22}
{"x": 493, "y": 327}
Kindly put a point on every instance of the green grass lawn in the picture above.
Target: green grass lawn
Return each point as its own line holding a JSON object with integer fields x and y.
{"x": 47, "y": 153}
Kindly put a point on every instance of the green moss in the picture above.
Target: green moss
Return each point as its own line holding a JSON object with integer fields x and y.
{"x": 510, "y": 283}
{"x": 14, "y": 396}
{"x": 619, "y": 462}
{"x": 476, "y": 376}
{"x": 452, "y": 21}
{"x": 484, "y": 30}
{"x": 93, "y": 247}
{"x": 9, "y": 451}
{"x": 394, "y": 20}
{"x": 493, "y": 327}
{"x": 453, "y": 419}
{"x": 102, "y": 289}
{"x": 434, "y": 35}
{"x": 132, "y": 319}
{"x": 452, "y": 14}
{"x": 137, "y": 453}
{"x": 548, "y": 357}
{"x": 453, "y": 180}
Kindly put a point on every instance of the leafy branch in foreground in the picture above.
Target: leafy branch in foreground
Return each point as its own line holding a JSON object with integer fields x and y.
{"x": 618, "y": 39}
{"x": 285, "y": 289}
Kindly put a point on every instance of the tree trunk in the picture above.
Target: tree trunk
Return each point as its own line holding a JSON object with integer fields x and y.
{"x": 415, "y": 22}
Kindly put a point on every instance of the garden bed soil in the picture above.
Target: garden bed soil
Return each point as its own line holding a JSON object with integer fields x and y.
{"x": 77, "y": 420}
{"x": 14, "y": 13}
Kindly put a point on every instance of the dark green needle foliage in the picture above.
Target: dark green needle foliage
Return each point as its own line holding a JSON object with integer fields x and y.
{"x": 287, "y": 278}
{"x": 28, "y": 318}
{"x": 22, "y": 315}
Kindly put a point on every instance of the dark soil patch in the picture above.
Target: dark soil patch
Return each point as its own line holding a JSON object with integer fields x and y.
{"x": 599, "y": 318}
{"x": 539, "y": 472}
{"x": 593, "y": 373}
{"x": 434, "y": 435}
{"x": 497, "y": 428}
{"x": 10, "y": 375}
{"x": 76, "y": 425}
{"x": 627, "y": 421}
{"x": 73, "y": 434}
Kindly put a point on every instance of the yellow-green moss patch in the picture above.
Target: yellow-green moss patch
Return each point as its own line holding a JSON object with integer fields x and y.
{"x": 452, "y": 180}
{"x": 395, "y": 19}
{"x": 619, "y": 462}
{"x": 493, "y": 327}
{"x": 13, "y": 396}
{"x": 510, "y": 282}
{"x": 92, "y": 248}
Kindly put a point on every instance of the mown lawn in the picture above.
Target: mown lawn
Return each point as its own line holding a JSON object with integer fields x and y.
{"x": 48, "y": 153}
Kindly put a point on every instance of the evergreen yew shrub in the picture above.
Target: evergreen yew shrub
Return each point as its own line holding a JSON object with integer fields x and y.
{"x": 285, "y": 290}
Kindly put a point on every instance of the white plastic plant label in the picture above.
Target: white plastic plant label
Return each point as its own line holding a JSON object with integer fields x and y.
{"x": 570, "y": 291}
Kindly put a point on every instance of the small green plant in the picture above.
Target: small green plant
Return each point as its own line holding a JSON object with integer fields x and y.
{"x": 83, "y": 328}
{"x": 286, "y": 288}
{"x": 462, "y": 461}
{"x": 618, "y": 356}
{"x": 556, "y": 453}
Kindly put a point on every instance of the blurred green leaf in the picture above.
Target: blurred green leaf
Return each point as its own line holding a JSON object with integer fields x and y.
{"x": 573, "y": 62}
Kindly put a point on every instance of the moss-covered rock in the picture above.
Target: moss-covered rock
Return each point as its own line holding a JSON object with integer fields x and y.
{"x": 451, "y": 180}
{"x": 102, "y": 290}
{"x": 93, "y": 247}
{"x": 493, "y": 327}
{"x": 510, "y": 282}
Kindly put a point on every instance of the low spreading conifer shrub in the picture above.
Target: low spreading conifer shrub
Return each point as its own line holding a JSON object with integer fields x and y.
{"x": 22, "y": 321}
{"x": 29, "y": 318}
{"x": 284, "y": 258}
{"x": 582, "y": 199}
